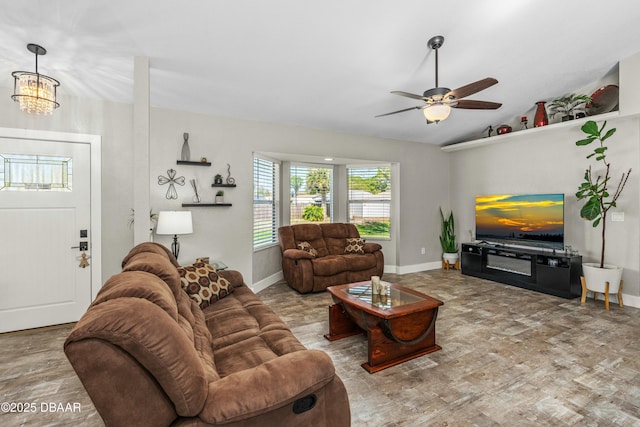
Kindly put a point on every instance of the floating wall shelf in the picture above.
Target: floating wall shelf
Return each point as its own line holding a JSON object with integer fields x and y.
{"x": 195, "y": 205}
{"x": 508, "y": 136}
{"x": 190, "y": 163}
{"x": 223, "y": 185}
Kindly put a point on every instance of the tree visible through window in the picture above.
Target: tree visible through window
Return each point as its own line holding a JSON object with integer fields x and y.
{"x": 310, "y": 194}
{"x": 370, "y": 200}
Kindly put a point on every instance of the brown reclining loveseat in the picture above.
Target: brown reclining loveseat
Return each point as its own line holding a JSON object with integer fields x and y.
{"x": 148, "y": 355}
{"x": 332, "y": 254}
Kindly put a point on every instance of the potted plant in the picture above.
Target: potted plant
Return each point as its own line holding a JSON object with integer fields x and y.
{"x": 220, "y": 197}
{"x": 594, "y": 190}
{"x": 568, "y": 105}
{"x": 448, "y": 240}
{"x": 153, "y": 217}
{"x": 217, "y": 179}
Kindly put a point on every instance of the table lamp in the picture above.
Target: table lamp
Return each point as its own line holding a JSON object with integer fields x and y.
{"x": 174, "y": 222}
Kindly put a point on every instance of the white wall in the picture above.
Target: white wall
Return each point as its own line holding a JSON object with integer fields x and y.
{"x": 114, "y": 123}
{"x": 548, "y": 161}
{"x": 226, "y": 233}
{"x": 539, "y": 162}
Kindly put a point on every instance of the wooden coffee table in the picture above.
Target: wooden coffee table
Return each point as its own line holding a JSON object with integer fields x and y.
{"x": 400, "y": 325}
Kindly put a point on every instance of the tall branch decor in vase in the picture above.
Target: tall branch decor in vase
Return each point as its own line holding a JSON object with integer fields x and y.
{"x": 594, "y": 190}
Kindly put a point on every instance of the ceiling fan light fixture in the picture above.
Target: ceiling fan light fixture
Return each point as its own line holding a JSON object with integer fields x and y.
{"x": 440, "y": 100}
{"x": 436, "y": 113}
{"x": 35, "y": 92}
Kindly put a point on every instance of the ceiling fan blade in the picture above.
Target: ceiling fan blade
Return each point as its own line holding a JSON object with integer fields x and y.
{"x": 409, "y": 95}
{"x": 471, "y": 88}
{"x": 399, "y": 111}
{"x": 470, "y": 104}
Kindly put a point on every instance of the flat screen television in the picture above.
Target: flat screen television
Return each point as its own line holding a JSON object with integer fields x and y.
{"x": 525, "y": 219}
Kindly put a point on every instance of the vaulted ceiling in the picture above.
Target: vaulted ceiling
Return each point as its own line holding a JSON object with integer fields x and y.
{"x": 327, "y": 64}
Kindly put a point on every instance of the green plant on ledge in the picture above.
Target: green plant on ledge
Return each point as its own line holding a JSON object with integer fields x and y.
{"x": 448, "y": 236}
{"x": 569, "y": 104}
{"x": 152, "y": 217}
{"x": 220, "y": 193}
{"x": 595, "y": 189}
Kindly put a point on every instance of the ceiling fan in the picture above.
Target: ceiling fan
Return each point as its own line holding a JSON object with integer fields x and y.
{"x": 440, "y": 100}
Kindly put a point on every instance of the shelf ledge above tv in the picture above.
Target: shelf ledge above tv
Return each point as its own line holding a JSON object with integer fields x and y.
{"x": 509, "y": 136}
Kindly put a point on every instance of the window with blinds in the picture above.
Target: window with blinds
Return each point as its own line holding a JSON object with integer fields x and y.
{"x": 310, "y": 188}
{"x": 370, "y": 200}
{"x": 265, "y": 202}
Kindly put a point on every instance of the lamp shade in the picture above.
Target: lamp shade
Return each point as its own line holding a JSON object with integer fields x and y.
{"x": 436, "y": 112}
{"x": 174, "y": 222}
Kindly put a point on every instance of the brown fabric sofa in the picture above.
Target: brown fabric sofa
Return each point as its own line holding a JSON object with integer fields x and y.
{"x": 305, "y": 272}
{"x": 148, "y": 355}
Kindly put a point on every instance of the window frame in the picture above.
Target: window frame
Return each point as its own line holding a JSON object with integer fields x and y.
{"x": 331, "y": 169}
{"x": 388, "y": 201}
{"x": 275, "y": 177}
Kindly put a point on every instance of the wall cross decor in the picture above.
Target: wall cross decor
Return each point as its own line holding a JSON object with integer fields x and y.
{"x": 171, "y": 180}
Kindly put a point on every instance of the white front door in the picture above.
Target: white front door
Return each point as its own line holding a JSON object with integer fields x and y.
{"x": 45, "y": 214}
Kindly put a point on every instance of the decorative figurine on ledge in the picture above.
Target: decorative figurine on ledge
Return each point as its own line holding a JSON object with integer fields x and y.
{"x": 230, "y": 180}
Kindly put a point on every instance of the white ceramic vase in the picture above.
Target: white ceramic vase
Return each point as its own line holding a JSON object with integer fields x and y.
{"x": 596, "y": 277}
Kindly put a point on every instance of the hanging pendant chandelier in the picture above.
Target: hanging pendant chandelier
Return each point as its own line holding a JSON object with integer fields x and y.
{"x": 35, "y": 92}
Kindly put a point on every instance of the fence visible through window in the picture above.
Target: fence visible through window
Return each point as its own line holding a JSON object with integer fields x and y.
{"x": 370, "y": 200}
{"x": 310, "y": 198}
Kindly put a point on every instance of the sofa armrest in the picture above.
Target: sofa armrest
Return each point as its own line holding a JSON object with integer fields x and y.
{"x": 234, "y": 277}
{"x": 273, "y": 384}
{"x": 296, "y": 254}
{"x": 370, "y": 248}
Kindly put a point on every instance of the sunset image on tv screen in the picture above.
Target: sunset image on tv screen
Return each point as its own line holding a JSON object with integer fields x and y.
{"x": 531, "y": 217}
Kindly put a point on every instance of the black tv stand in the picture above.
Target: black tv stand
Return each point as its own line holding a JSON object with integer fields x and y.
{"x": 554, "y": 273}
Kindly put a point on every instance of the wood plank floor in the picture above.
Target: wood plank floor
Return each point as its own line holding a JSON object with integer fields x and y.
{"x": 510, "y": 357}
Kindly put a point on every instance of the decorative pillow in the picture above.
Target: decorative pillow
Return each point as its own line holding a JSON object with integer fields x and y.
{"x": 202, "y": 283}
{"x": 306, "y": 246}
{"x": 355, "y": 245}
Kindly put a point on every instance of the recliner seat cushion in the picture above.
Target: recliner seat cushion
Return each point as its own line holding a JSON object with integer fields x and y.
{"x": 335, "y": 264}
{"x": 360, "y": 262}
{"x": 329, "y": 265}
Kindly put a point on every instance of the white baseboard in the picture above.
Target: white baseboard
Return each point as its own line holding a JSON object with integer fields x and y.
{"x": 266, "y": 282}
{"x": 627, "y": 300}
{"x": 406, "y": 269}
{"x": 630, "y": 300}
